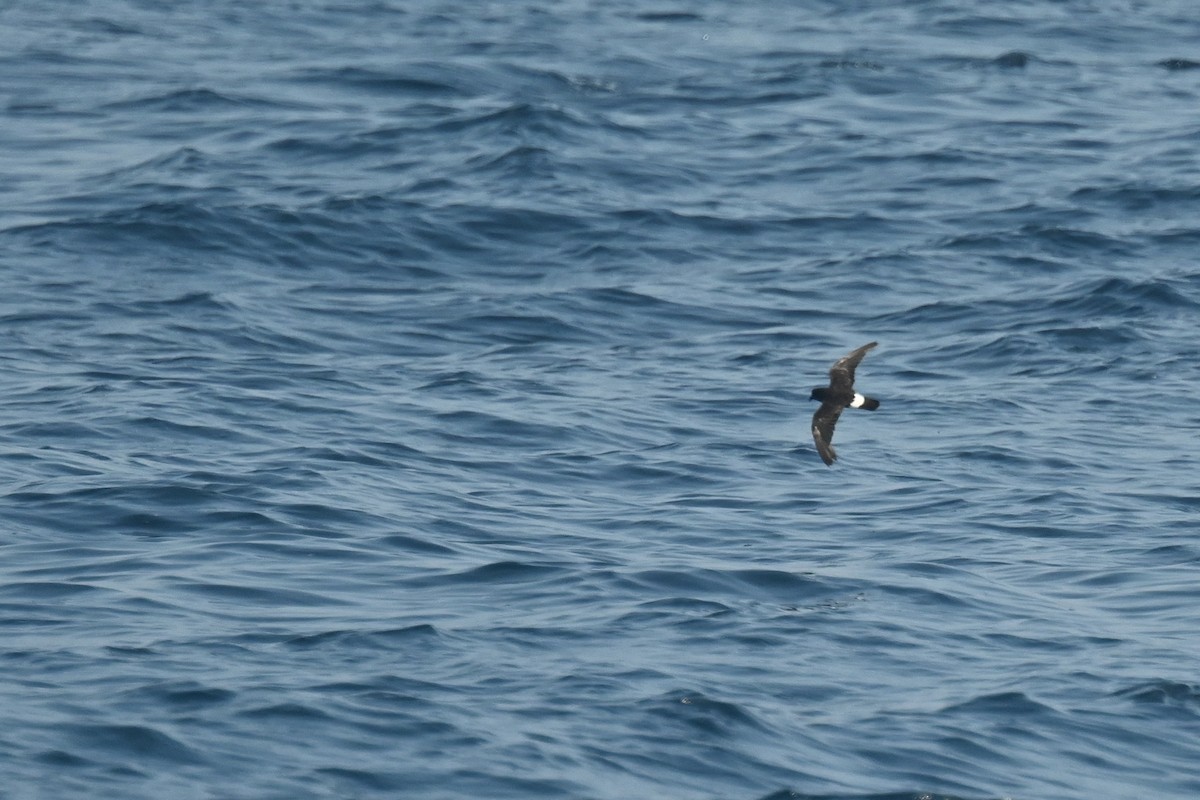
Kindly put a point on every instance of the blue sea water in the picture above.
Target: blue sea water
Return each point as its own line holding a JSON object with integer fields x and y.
{"x": 411, "y": 400}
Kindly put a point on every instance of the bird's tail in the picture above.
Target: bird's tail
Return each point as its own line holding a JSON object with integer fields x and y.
{"x": 864, "y": 402}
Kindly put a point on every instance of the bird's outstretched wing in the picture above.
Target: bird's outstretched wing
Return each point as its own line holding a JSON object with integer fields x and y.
{"x": 841, "y": 375}
{"x": 822, "y": 429}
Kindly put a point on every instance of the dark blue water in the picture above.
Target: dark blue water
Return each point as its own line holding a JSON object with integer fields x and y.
{"x": 411, "y": 400}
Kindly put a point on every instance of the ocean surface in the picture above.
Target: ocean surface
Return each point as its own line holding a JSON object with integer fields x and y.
{"x": 411, "y": 400}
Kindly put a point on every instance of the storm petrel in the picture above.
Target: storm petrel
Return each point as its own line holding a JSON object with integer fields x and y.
{"x": 836, "y": 396}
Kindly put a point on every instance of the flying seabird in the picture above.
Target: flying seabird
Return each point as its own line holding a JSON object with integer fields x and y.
{"x": 836, "y": 396}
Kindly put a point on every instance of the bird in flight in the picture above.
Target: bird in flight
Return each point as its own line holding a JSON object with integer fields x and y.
{"x": 836, "y": 396}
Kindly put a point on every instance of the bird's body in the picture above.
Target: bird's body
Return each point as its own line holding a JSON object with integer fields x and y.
{"x": 838, "y": 395}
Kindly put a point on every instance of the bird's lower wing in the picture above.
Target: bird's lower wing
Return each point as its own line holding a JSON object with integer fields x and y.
{"x": 822, "y": 430}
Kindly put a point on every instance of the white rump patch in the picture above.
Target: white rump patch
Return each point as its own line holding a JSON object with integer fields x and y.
{"x": 858, "y": 401}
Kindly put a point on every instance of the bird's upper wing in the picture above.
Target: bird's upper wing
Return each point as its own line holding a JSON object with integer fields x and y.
{"x": 841, "y": 375}
{"x": 822, "y": 429}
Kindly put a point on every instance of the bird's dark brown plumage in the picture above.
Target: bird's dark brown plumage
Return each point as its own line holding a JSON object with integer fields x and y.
{"x": 835, "y": 397}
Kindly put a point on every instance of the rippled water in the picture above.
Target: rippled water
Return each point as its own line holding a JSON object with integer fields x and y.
{"x": 411, "y": 400}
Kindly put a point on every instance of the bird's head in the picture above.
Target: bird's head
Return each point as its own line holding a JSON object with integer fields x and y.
{"x": 818, "y": 394}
